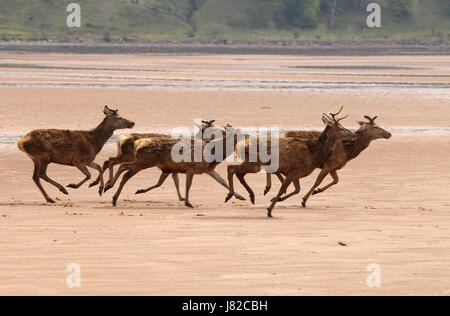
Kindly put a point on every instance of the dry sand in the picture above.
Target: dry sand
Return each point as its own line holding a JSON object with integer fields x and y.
{"x": 391, "y": 207}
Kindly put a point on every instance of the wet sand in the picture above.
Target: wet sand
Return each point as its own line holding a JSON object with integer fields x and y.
{"x": 391, "y": 207}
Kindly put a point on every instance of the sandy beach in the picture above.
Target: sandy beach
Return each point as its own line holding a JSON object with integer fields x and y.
{"x": 391, "y": 207}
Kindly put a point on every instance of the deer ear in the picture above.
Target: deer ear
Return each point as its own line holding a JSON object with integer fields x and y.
{"x": 106, "y": 110}
{"x": 326, "y": 121}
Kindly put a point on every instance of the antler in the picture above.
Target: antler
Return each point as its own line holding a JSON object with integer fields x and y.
{"x": 371, "y": 120}
{"x": 340, "y": 111}
{"x": 342, "y": 118}
{"x": 332, "y": 116}
{"x": 209, "y": 123}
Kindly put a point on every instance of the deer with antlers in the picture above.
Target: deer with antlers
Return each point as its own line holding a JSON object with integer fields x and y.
{"x": 158, "y": 152}
{"x": 70, "y": 148}
{"x": 298, "y": 157}
{"x": 345, "y": 151}
{"x": 125, "y": 153}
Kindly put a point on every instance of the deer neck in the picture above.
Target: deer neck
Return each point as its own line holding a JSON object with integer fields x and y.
{"x": 355, "y": 147}
{"x": 100, "y": 135}
{"x": 222, "y": 143}
{"x": 323, "y": 148}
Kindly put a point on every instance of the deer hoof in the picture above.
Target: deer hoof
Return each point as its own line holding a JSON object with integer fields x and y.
{"x": 114, "y": 202}
{"x": 189, "y": 205}
{"x": 107, "y": 188}
{"x": 304, "y": 203}
{"x": 72, "y": 186}
{"x": 93, "y": 184}
{"x": 269, "y": 213}
{"x": 267, "y": 190}
{"x": 50, "y": 201}
{"x": 229, "y": 196}
{"x": 252, "y": 199}
{"x": 100, "y": 191}
{"x": 317, "y": 191}
{"x": 64, "y": 191}
{"x": 140, "y": 192}
{"x": 241, "y": 198}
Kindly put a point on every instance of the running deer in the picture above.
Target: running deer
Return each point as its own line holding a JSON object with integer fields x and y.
{"x": 157, "y": 152}
{"x": 125, "y": 153}
{"x": 70, "y": 148}
{"x": 345, "y": 151}
{"x": 298, "y": 157}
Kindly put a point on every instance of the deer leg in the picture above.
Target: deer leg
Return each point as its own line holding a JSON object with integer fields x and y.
{"x": 280, "y": 177}
{"x": 189, "y": 179}
{"x": 231, "y": 172}
{"x": 296, "y": 191}
{"x": 131, "y": 173}
{"x": 243, "y": 170}
{"x": 176, "y": 180}
{"x": 123, "y": 167}
{"x": 163, "y": 178}
{"x": 213, "y": 174}
{"x": 93, "y": 165}
{"x": 36, "y": 179}
{"x": 335, "y": 181}
{"x": 283, "y": 188}
{"x": 43, "y": 176}
{"x": 319, "y": 180}
{"x": 97, "y": 181}
{"x": 268, "y": 184}
{"x": 110, "y": 166}
{"x": 241, "y": 178}
{"x": 86, "y": 172}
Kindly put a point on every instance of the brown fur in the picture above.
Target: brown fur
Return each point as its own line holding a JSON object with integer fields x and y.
{"x": 345, "y": 151}
{"x": 126, "y": 153}
{"x": 298, "y": 158}
{"x": 70, "y": 148}
{"x": 157, "y": 152}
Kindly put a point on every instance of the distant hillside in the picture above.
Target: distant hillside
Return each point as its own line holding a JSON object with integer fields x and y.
{"x": 224, "y": 19}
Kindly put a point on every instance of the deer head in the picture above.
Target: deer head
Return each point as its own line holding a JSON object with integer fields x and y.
{"x": 114, "y": 121}
{"x": 372, "y": 130}
{"x": 206, "y": 128}
{"x": 333, "y": 123}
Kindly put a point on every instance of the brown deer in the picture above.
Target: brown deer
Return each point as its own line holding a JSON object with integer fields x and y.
{"x": 125, "y": 153}
{"x": 298, "y": 157}
{"x": 70, "y": 148}
{"x": 345, "y": 151}
{"x": 157, "y": 152}
{"x": 307, "y": 135}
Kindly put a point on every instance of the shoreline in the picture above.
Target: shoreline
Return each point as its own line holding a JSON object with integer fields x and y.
{"x": 226, "y": 47}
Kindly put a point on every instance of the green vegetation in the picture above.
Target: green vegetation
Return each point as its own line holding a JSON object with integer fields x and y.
{"x": 112, "y": 20}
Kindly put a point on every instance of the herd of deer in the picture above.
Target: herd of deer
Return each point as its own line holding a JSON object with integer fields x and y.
{"x": 300, "y": 153}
